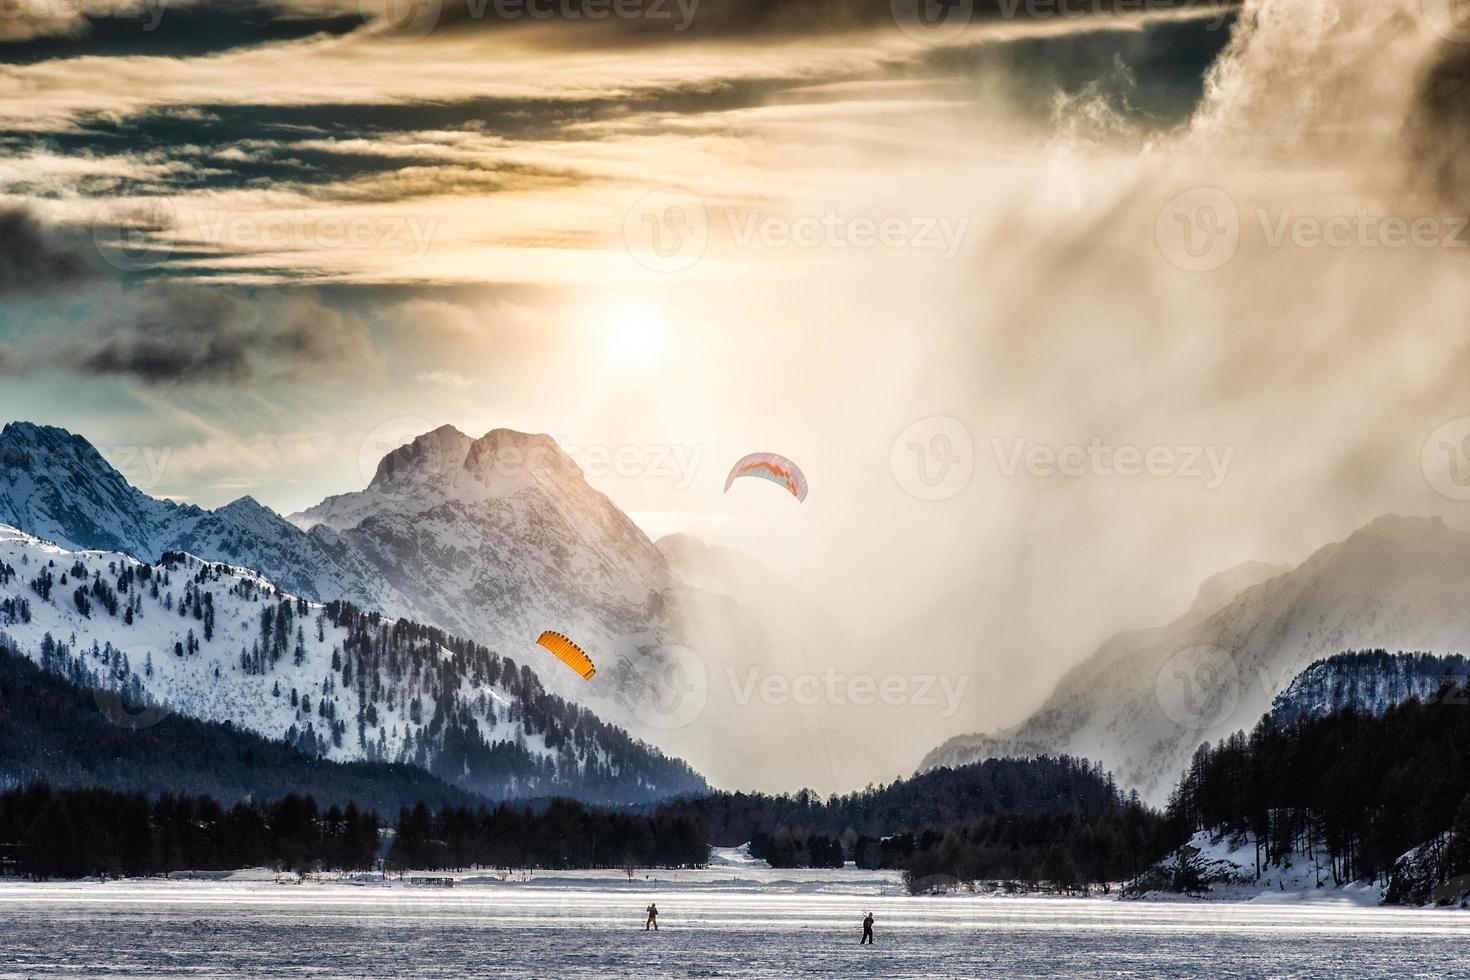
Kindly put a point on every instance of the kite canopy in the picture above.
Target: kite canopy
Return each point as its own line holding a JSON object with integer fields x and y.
{"x": 773, "y": 467}
{"x": 569, "y": 653}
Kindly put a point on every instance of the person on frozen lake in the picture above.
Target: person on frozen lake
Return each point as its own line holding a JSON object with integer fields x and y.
{"x": 652, "y": 919}
{"x": 867, "y": 930}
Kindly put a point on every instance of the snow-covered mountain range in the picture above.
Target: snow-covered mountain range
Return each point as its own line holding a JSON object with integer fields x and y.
{"x": 496, "y": 538}
{"x": 1371, "y": 681}
{"x": 1147, "y": 698}
{"x": 220, "y": 643}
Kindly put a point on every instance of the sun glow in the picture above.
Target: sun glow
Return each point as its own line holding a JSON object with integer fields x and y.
{"x": 632, "y": 337}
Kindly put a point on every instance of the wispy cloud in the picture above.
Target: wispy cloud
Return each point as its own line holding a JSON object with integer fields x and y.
{"x": 445, "y": 379}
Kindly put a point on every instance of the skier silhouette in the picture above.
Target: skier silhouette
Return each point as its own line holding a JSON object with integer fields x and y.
{"x": 867, "y": 930}
{"x": 652, "y": 919}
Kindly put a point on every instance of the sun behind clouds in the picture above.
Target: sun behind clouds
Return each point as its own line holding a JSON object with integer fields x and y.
{"x": 632, "y": 336}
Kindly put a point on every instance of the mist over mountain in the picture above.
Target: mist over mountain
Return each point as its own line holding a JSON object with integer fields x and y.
{"x": 1147, "y": 698}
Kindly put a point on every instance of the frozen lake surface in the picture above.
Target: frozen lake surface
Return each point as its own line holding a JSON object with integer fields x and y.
{"x": 728, "y": 921}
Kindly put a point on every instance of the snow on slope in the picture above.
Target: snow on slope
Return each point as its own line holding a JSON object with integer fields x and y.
{"x": 1368, "y": 680}
{"x": 345, "y": 685}
{"x": 56, "y": 486}
{"x": 496, "y": 538}
{"x": 1145, "y": 700}
{"x": 1228, "y": 864}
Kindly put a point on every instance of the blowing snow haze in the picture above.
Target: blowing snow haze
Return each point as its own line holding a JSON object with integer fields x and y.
{"x": 1063, "y": 314}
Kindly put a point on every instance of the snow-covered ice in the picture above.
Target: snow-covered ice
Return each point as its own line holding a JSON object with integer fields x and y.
{"x": 733, "y": 919}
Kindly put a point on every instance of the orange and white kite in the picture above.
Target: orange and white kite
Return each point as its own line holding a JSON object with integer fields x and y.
{"x": 770, "y": 466}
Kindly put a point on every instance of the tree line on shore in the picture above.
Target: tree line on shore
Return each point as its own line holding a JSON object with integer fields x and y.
{"x": 1351, "y": 791}
{"x": 565, "y": 834}
{"x": 75, "y": 833}
{"x": 1054, "y": 819}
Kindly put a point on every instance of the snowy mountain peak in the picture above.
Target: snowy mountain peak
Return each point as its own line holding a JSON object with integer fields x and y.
{"x": 446, "y": 465}
{"x": 1394, "y": 535}
{"x": 56, "y": 485}
{"x": 1217, "y": 590}
{"x": 246, "y": 505}
{"x": 496, "y": 538}
{"x": 29, "y": 448}
{"x": 505, "y": 461}
{"x": 430, "y": 457}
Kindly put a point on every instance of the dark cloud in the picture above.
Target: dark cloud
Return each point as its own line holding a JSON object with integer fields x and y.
{"x": 177, "y": 333}
{"x": 677, "y": 20}
{"x": 156, "y": 27}
{"x": 309, "y": 339}
{"x": 1440, "y": 128}
{"x": 168, "y": 332}
{"x": 185, "y": 334}
{"x": 36, "y": 258}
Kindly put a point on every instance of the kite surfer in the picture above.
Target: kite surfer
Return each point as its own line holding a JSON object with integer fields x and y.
{"x": 867, "y": 930}
{"x": 652, "y": 922}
